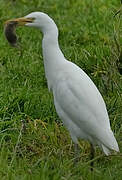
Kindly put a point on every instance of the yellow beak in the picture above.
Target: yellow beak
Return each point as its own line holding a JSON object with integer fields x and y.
{"x": 20, "y": 21}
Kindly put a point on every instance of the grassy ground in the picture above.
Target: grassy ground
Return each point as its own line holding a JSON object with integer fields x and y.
{"x": 33, "y": 142}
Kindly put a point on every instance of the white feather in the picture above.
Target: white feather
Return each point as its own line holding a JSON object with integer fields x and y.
{"x": 77, "y": 100}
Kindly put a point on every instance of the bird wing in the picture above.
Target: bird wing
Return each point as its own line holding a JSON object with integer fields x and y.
{"x": 78, "y": 100}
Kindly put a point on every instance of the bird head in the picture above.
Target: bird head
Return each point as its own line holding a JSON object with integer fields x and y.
{"x": 35, "y": 19}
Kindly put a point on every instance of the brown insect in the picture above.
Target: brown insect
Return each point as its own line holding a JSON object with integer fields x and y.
{"x": 10, "y": 33}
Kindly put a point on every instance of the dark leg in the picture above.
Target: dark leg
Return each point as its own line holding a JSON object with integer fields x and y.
{"x": 76, "y": 147}
{"x": 92, "y": 157}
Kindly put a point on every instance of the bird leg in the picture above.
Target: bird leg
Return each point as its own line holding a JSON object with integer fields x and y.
{"x": 92, "y": 156}
{"x": 76, "y": 147}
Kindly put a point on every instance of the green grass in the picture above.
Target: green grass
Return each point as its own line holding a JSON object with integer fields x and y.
{"x": 33, "y": 142}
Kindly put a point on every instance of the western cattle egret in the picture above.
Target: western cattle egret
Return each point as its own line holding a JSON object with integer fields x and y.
{"x": 77, "y": 100}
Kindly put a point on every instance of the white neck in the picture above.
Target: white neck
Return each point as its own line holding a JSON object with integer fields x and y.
{"x": 53, "y": 57}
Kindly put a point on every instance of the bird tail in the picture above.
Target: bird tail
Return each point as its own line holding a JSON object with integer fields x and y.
{"x": 109, "y": 143}
{"x": 105, "y": 150}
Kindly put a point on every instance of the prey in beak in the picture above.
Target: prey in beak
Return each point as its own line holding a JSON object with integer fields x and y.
{"x": 10, "y": 29}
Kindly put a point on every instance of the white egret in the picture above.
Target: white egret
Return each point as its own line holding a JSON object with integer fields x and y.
{"x": 77, "y": 100}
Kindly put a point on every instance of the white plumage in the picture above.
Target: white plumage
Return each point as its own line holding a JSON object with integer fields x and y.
{"x": 77, "y": 100}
